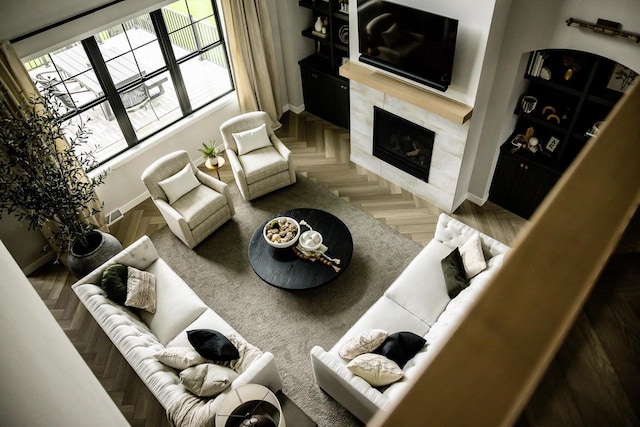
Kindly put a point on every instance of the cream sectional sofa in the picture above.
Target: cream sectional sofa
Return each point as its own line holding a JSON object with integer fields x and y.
{"x": 139, "y": 334}
{"x": 417, "y": 301}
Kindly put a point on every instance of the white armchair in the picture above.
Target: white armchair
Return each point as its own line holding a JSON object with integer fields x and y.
{"x": 193, "y": 203}
{"x": 260, "y": 162}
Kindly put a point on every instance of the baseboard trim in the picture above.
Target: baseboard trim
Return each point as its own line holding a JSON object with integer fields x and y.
{"x": 296, "y": 110}
{"x": 477, "y": 200}
{"x": 40, "y": 262}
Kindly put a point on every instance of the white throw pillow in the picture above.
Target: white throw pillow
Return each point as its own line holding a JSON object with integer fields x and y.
{"x": 179, "y": 184}
{"x": 141, "y": 290}
{"x": 472, "y": 256}
{"x": 180, "y": 357}
{"x": 207, "y": 379}
{"x": 364, "y": 342}
{"x": 375, "y": 369}
{"x": 252, "y": 139}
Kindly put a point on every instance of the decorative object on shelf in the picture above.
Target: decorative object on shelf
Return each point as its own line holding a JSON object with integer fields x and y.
{"x": 573, "y": 65}
{"x": 529, "y": 104}
{"x": 552, "y": 144}
{"x": 533, "y": 144}
{"x": 318, "y": 24}
{"x": 545, "y": 73}
{"x": 210, "y": 153}
{"x": 605, "y": 27}
{"x": 343, "y": 34}
{"x": 344, "y": 6}
{"x": 593, "y": 131}
{"x": 621, "y": 78}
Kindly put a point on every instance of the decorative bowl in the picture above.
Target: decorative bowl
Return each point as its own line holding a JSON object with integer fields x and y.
{"x": 278, "y": 226}
{"x": 310, "y": 240}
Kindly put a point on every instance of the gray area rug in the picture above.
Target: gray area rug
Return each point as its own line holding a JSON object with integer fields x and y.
{"x": 289, "y": 323}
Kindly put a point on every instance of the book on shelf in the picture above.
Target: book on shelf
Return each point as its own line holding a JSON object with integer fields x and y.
{"x": 319, "y": 34}
{"x": 536, "y": 63}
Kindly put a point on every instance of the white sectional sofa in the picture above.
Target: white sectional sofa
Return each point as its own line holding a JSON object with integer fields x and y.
{"x": 139, "y": 335}
{"x": 417, "y": 301}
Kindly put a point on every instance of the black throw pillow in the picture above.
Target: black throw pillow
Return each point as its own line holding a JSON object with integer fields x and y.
{"x": 454, "y": 275}
{"x": 213, "y": 345}
{"x": 114, "y": 282}
{"x": 401, "y": 347}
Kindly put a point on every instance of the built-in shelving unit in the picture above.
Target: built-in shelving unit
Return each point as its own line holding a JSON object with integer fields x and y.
{"x": 573, "y": 92}
{"x": 326, "y": 94}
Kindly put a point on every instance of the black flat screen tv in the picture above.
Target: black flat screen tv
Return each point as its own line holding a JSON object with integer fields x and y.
{"x": 411, "y": 43}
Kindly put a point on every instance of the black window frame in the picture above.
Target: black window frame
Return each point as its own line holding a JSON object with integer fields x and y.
{"x": 111, "y": 93}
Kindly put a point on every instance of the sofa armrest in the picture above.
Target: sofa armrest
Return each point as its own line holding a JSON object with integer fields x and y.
{"x": 140, "y": 254}
{"x": 351, "y": 391}
{"x": 262, "y": 371}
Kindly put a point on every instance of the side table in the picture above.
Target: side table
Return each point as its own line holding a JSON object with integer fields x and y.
{"x": 217, "y": 167}
{"x": 250, "y": 405}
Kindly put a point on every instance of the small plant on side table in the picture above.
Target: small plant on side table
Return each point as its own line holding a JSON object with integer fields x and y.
{"x": 210, "y": 153}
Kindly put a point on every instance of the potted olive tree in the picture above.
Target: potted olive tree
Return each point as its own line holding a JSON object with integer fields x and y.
{"x": 210, "y": 153}
{"x": 43, "y": 180}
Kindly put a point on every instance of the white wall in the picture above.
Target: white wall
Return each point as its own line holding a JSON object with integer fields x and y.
{"x": 541, "y": 25}
{"x": 45, "y": 382}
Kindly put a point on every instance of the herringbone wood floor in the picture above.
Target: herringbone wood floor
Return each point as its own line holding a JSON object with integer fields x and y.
{"x": 598, "y": 362}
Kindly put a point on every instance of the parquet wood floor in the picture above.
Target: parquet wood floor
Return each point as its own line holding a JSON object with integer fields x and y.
{"x": 592, "y": 381}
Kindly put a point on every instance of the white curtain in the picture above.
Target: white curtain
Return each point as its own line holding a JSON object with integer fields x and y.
{"x": 253, "y": 59}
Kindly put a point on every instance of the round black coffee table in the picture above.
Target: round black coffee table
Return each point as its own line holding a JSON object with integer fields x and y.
{"x": 284, "y": 269}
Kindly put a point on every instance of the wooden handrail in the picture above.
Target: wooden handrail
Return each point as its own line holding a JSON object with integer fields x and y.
{"x": 488, "y": 370}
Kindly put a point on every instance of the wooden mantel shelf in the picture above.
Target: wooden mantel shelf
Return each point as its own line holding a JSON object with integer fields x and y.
{"x": 437, "y": 104}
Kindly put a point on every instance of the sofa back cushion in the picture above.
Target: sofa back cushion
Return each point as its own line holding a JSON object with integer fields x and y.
{"x": 454, "y": 233}
{"x": 421, "y": 288}
{"x": 177, "y": 305}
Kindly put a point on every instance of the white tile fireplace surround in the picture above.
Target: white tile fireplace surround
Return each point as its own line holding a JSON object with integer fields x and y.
{"x": 448, "y": 148}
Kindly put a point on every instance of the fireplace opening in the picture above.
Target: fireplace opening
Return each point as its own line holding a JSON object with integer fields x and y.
{"x": 402, "y": 144}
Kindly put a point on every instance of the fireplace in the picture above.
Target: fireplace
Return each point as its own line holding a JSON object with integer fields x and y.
{"x": 402, "y": 143}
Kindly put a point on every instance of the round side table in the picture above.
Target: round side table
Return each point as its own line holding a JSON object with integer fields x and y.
{"x": 217, "y": 167}
{"x": 250, "y": 405}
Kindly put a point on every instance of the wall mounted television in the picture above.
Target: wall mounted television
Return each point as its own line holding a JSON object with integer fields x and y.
{"x": 411, "y": 43}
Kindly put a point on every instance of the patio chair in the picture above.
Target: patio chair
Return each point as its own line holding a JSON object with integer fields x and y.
{"x": 136, "y": 97}
{"x": 260, "y": 162}
{"x": 192, "y": 203}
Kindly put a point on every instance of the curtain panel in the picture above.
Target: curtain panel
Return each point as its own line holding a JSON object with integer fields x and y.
{"x": 253, "y": 59}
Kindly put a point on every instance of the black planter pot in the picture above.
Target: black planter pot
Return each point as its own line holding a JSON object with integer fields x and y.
{"x": 100, "y": 247}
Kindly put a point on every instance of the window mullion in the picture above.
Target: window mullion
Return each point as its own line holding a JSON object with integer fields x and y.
{"x": 113, "y": 98}
{"x": 169, "y": 58}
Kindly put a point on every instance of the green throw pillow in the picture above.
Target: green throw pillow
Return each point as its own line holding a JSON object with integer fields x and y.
{"x": 114, "y": 283}
{"x": 454, "y": 275}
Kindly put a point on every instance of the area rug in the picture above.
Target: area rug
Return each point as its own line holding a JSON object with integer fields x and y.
{"x": 290, "y": 323}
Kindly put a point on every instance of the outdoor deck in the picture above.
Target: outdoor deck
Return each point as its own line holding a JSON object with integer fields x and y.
{"x": 203, "y": 78}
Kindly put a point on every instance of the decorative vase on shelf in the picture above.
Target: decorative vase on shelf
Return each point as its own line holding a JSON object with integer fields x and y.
{"x": 318, "y": 25}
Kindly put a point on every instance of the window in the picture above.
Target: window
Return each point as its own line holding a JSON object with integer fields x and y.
{"x": 138, "y": 77}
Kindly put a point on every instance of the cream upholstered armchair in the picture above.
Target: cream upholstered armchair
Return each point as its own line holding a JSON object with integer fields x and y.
{"x": 261, "y": 163}
{"x": 193, "y": 203}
